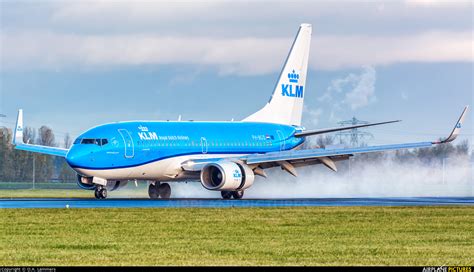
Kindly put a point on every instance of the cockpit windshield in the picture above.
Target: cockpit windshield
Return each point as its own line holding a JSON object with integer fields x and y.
{"x": 99, "y": 142}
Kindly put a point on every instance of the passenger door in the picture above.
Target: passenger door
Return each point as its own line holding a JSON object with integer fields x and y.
{"x": 128, "y": 141}
{"x": 204, "y": 145}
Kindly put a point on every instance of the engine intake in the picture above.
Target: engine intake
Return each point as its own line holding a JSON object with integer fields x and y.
{"x": 227, "y": 176}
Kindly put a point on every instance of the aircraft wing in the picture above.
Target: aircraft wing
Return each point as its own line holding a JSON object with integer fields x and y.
{"x": 290, "y": 159}
{"x": 20, "y": 145}
{"x": 287, "y": 159}
{"x": 296, "y": 155}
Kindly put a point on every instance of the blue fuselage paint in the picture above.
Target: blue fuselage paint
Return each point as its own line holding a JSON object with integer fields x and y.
{"x": 130, "y": 144}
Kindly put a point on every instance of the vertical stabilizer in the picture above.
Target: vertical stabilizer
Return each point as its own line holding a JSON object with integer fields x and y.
{"x": 286, "y": 104}
{"x": 18, "y": 137}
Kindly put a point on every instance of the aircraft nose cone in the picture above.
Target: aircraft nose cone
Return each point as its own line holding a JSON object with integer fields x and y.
{"x": 73, "y": 158}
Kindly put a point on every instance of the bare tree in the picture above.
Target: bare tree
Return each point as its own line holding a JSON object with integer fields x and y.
{"x": 46, "y": 136}
{"x": 325, "y": 140}
{"x": 29, "y": 135}
{"x": 462, "y": 148}
{"x": 67, "y": 141}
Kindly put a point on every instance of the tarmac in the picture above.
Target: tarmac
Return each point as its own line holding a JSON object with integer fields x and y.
{"x": 242, "y": 203}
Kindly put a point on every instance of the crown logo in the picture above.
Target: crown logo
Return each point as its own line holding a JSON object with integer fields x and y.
{"x": 293, "y": 77}
{"x": 142, "y": 128}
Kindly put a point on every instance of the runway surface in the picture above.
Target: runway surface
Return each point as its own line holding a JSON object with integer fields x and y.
{"x": 219, "y": 203}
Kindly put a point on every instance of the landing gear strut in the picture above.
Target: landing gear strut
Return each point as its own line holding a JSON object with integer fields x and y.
{"x": 230, "y": 194}
{"x": 162, "y": 190}
{"x": 100, "y": 192}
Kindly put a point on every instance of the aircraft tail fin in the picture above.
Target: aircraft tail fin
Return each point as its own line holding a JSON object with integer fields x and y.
{"x": 18, "y": 137}
{"x": 286, "y": 104}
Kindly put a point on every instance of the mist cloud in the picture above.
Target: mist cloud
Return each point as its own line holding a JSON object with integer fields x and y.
{"x": 386, "y": 178}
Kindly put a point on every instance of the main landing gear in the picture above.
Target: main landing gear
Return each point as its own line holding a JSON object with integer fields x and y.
{"x": 230, "y": 194}
{"x": 162, "y": 190}
{"x": 100, "y": 192}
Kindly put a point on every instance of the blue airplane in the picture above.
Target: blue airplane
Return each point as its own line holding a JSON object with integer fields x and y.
{"x": 223, "y": 156}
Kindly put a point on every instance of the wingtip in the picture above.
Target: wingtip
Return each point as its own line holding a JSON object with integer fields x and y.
{"x": 457, "y": 128}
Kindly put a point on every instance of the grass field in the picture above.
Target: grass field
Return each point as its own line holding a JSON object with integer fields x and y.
{"x": 238, "y": 236}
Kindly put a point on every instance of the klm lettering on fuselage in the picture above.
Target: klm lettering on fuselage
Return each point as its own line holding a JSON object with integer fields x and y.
{"x": 292, "y": 90}
{"x": 145, "y": 135}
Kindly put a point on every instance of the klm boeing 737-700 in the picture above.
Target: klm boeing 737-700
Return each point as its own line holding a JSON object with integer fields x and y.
{"x": 223, "y": 156}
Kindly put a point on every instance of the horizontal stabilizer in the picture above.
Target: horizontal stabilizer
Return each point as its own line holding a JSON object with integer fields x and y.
{"x": 328, "y": 130}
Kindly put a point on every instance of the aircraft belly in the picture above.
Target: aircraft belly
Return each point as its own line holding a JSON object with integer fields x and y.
{"x": 162, "y": 170}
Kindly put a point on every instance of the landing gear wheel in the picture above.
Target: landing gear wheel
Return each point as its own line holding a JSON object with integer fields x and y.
{"x": 238, "y": 194}
{"x": 100, "y": 193}
{"x": 153, "y": 191}
{"x": 103, "y": 193}
{"x": 164, "y": 190}
{"x": 226, "y": 194}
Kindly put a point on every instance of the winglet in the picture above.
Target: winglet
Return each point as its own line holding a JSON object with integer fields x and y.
{"x": 18, "y": 139}
{"x": 456, "y": 130}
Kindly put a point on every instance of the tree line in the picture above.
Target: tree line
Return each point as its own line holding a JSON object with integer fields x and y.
{"x": 22, "y": 166}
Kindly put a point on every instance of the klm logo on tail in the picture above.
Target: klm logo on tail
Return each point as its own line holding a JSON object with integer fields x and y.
{"x": 292, "y": 90}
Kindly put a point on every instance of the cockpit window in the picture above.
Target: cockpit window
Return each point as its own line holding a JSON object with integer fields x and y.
{"x": 77, "y": 141}
{"x": 88, "y": 141}
{"x": 99, "y": 142}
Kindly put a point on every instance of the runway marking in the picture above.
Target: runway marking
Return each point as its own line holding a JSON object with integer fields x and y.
{"x": 219, "y": 203}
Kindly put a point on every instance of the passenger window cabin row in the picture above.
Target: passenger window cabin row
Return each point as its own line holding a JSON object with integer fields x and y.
{"x": 209, "y": 144}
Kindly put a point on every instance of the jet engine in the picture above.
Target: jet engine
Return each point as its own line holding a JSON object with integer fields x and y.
{"x": 85, "y": 182}
{"x": 227, "y": 176}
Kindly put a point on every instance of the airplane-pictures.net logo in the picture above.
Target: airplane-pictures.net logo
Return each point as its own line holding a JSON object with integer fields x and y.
{"x": 292, "y": 90}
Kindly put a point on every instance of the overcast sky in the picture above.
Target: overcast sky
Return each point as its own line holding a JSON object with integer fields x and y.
{"x": 76, "y": 64}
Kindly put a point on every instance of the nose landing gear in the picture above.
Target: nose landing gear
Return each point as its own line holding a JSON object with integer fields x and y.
{"x": 100, "y": 192}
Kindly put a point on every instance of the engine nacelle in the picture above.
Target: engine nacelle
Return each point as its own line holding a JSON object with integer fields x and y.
{"x": 227, "y": 176}
{"x": 85, "y": 182}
